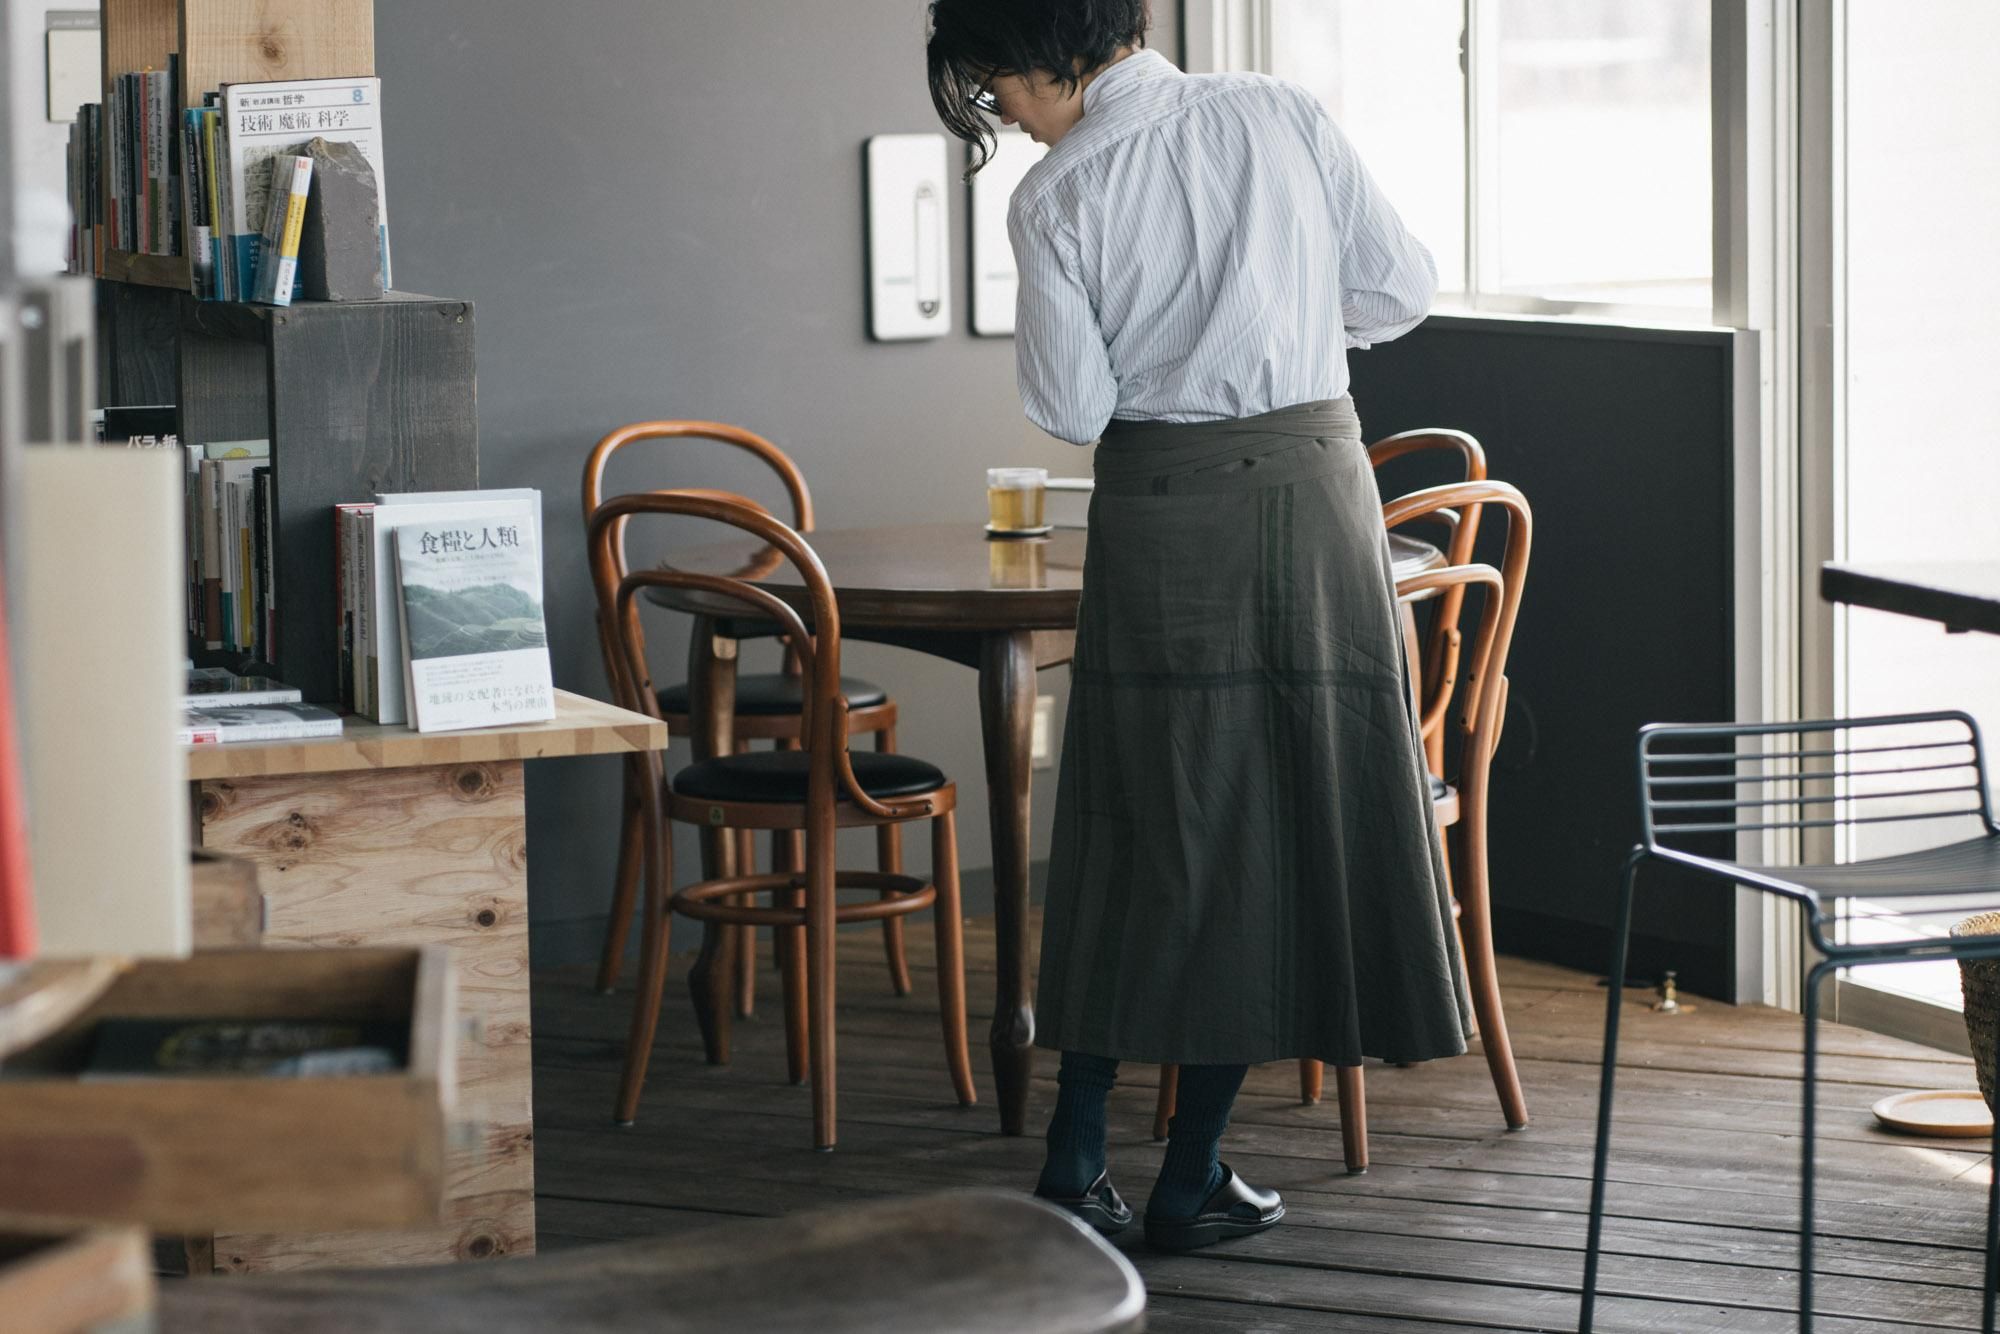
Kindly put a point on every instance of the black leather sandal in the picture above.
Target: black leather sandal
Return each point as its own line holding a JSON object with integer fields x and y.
{"x": 1100, "y": 1206}
{"x": 1235, "y": 1209}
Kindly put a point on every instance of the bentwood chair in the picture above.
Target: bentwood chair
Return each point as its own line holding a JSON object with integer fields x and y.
{"x": 1460, "y": 805}
{"x": 1435, "y": 664}
{"x": 1907, "y": 779}
{"x": 767, "y": 706}
{"x": 815, "y": 791}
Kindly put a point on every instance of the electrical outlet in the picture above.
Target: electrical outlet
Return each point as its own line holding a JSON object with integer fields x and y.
{"x": 1041, "y": 752}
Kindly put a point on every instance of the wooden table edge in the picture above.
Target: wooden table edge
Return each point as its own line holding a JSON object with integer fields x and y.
{"x": 582, "y": 726}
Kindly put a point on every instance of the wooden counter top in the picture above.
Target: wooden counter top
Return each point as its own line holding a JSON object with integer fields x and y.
{"x": 581, "y": 727}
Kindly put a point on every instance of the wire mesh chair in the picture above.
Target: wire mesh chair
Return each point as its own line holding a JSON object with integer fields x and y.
{"x": 1899, "y": 777}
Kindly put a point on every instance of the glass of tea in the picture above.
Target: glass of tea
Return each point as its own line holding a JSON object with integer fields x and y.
{"x": 1015, "y": 501}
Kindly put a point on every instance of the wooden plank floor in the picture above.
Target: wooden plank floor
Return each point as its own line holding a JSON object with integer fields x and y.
{"x": 1458, "y": 1225}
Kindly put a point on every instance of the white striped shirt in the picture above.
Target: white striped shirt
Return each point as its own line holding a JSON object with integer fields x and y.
{"x": 1184, "y": 248}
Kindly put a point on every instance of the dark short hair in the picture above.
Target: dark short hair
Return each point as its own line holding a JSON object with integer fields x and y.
{"x": 972, "y": 40}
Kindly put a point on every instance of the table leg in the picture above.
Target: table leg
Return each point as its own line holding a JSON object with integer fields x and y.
{"x": 712, "y": 701}
{"x": 1007, "y": 712}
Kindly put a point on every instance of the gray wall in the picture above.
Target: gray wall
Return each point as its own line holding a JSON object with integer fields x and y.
{"x": 656, "y": 205}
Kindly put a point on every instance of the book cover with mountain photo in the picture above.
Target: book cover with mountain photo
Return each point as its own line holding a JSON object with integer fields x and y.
{"x": 474, "y": 638}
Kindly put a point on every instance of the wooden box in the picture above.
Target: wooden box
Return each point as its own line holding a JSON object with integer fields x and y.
{"x": 355, "y": 398}
{"x": 226, "y": 41}
{"x": 87, "y": 1283}
{"x": 197, "y": 1154}
{"x": 228, "y": 907}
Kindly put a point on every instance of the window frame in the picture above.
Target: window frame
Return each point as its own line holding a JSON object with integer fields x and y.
{"x": 1225, "y": 35}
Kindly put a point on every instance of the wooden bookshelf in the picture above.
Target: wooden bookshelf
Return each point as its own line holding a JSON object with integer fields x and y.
{"x": 355, "y": 398}
{"x": 223, "y": 41}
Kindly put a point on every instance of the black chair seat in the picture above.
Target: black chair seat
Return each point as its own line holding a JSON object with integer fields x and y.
{"x": 780, "y": 776}
{"x": 1970, "y": 867}
{"x": 776, "y": 694}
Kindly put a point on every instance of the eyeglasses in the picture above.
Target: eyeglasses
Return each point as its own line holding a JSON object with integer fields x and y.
{"x": 985, "y": 101}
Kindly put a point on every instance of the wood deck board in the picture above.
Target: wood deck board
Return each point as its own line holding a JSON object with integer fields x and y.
{"x": 1459, "y": 1224}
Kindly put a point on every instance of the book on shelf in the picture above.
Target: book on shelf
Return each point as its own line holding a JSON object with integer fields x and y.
{"x": 84, "y": 172}
{"x": 150, "y": 174}
{"x": 347, "y": 598}
{"x": 522, "y": 493}
{"x": 211, "y": 687}
{"x": 369, "y": 619}
{"x": 127, "y": 165}
{"x": 135, "y": 423}
{"x": 277, "y": 265}
{"x": 232, "y": 602}
{"x": 220, "y": 724}
{"x": 261, "y": 121}
{"x": 474, "y": 638}
{"x": 178, "y": 1048}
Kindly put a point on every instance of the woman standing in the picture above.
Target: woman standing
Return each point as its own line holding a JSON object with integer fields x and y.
{"x": 1245, "y": 865}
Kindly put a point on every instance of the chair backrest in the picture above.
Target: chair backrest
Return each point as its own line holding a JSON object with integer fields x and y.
{"x": 814, "y": 639}
{"x": 721, "y": 432}
{"x": 608, "y": 565}
{"x": 1442, "y": 642}
{"x": 1700, "y": 780}
{"x": 1482, "y": 696}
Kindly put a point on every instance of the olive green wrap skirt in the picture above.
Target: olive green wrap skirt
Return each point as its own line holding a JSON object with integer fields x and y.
{"x": 1245, "y": 864}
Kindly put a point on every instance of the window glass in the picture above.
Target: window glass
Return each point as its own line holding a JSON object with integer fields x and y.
{"x": 1389, "y": 74}
{"x": 1600, "y": 125}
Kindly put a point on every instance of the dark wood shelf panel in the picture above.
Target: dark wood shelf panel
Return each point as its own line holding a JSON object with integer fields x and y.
{"x": 355, "y": 398}
{"x": 121, "y": 266}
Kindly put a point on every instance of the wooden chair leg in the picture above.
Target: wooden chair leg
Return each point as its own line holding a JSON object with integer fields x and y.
{"x": 1312, "y": 1080}
{"x": 1482, "y": 973}
{"x": 1353, "y": 1117}
{"x": 889, "y": 857}
{"x": 820, "y": 982}
{"x": 625, "y": 889}
{"x": 790, "y": 945}
{"x": 708, "y": 981}
{"x": 948, "y": 915}
{"x": 1163, "y": 1110}
{"x": 746, "y": 939}
{"x": 653, "y": 954}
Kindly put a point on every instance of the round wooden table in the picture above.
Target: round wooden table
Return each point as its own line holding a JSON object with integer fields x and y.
{"x": 1006, "y": 608}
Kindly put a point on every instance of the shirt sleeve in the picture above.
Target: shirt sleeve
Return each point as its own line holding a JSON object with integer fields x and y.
{"x": 1061, "y": 360}
{"x": 1387, "y": 277}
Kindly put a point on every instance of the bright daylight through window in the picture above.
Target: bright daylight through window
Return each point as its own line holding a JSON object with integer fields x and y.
{"x": 1561, "y": 156}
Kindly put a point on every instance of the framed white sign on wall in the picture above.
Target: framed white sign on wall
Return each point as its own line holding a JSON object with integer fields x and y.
{"x": 909, "y": 238}
{"x": 993, "y": 276}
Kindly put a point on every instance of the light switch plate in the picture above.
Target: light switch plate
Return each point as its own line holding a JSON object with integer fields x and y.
{"x": 909, "y": 237}
{"x": 75, "y": 62}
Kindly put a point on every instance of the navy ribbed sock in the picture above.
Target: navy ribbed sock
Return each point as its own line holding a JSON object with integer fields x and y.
{"x": 1192, "y": 1170}
{"x": 1076, "y": 1131}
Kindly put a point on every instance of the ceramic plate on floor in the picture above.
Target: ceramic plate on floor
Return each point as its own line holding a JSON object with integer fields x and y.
{"x": 1959, "y": 1113}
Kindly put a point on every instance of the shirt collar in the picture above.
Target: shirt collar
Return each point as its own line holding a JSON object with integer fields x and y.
{"x": 1141, "y": 65}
